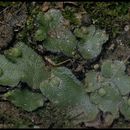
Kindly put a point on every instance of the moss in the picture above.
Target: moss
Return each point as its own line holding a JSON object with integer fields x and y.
{"x": 5, "y": 4}
{"x": 69, "y": 13}
{"x": 26, "y": 32}
{"x": 109, "y": 15}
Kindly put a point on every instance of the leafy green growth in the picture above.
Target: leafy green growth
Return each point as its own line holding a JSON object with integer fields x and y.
{"x": 128, "y": 102}
{"x": 110, "y": 68}
{"x": 53, "y": 30}
{"x": 1, "y": 72}
{"x": 11, "y": 72}
{"x": 56, "y": 35}
{"x": 92, "y": 81}
{"x": 125, "y": 108}
{"x": 109, "y": 101}
{"x": 13, "y": 53}
{"x": 29, "y": 68}
{"x": 118, "y": 76}
{"x": 32, "y": 66}
{"x": 64, "y": 90}
{"x": 112, "y": 71}
{"x": 62, "y": 87}
{"x": 25, "y": 99}
{"x": 91, "y": 41}
{"x": 40, "y": 35}
{"x": 102, "y": 92}
{"x": 106, "y": 69}
{"x": 108, "y": 87}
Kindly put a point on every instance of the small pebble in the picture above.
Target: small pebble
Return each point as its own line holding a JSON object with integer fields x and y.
{"x": 127, "y": 28}
{"x": 96, "y": 66}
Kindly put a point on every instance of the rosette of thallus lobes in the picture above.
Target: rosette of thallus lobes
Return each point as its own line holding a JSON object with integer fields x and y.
{"x": 58, "y": 37}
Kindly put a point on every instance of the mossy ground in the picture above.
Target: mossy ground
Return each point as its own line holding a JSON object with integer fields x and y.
{"x": 112, "y": 16}
{"x": 109, "y": 15}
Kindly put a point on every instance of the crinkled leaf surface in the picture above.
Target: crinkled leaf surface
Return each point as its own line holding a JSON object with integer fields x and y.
{"x": 57, "y": 37}
{"x": 92, "y": 81}
{"x": 40, "y": 34}
{"x": 62, "y": 87}
{"x": 108, "y": 86}
{"x": 89, "y": 110}
{"x": 29, "y": 68}
{"x": 112, "y": 71}
{"x": 110, "y": 68}
{"x": 91, "y": 43}
{"x": 116, "y": 72}
{"x": 123, "y": 83}
{"x": 125, "y": 108}
{"x": 65, "y": 90}
{"x": 106, "y": 69}
{"x": 110, "y": 101}
{"x": 11, "y": 72}
{"x": 85, "y": 111}
{"x": 32, "y": 66}
{"x": 25, "y": 99}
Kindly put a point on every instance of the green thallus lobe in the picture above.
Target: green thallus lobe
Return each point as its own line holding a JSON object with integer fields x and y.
{"x": 13, "y": 53}
{"x": 101, "y": 91}
{"x": 1, "y": 72}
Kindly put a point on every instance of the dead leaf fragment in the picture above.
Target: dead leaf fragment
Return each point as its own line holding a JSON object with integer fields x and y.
{"x": 45, "y": 6}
